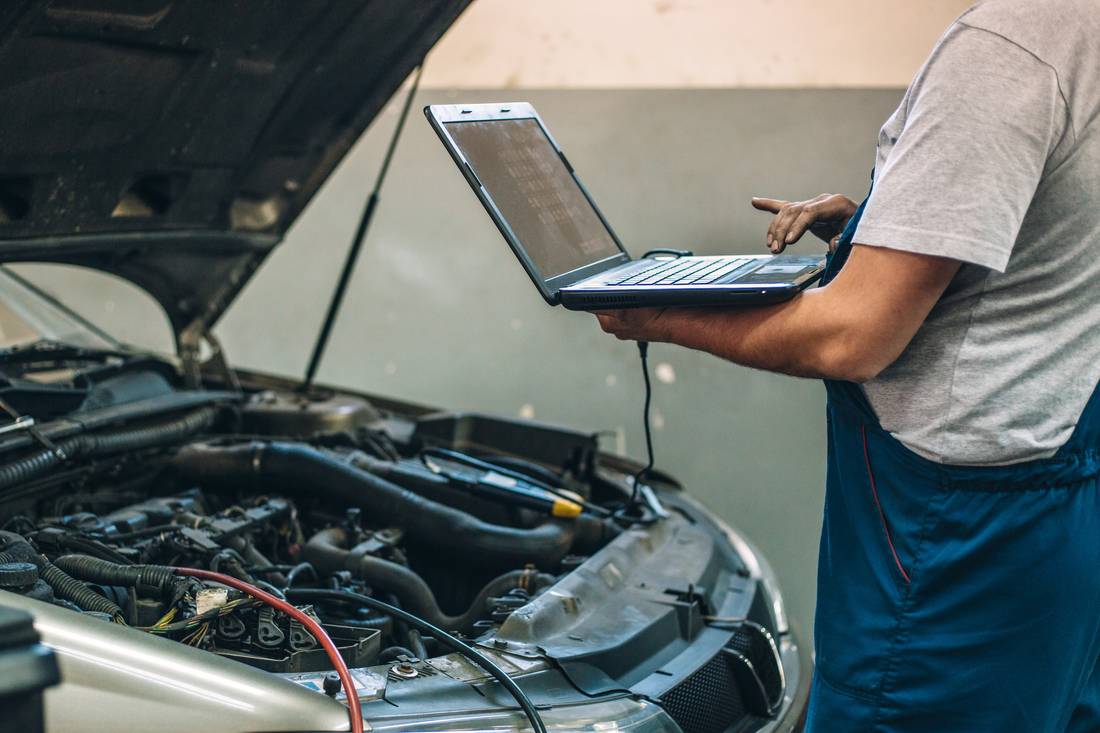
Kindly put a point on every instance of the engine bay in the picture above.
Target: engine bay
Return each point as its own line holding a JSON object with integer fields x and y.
{"x": 290, "y": 494}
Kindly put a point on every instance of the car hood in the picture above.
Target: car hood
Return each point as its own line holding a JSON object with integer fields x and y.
{"x": 173, "y": 143}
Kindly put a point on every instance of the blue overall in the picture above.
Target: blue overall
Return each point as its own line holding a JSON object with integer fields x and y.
{"x": 955, "y": 598}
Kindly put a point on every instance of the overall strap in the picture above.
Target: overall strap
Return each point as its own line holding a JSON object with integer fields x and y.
{"x": 847, "y": 393}
{"x": 839, "y": 256}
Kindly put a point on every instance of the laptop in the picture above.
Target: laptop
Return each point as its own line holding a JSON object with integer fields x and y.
{"x": 567, "y": 246}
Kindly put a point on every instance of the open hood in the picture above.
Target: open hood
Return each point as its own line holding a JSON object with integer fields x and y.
{"x": 173, "y": 143}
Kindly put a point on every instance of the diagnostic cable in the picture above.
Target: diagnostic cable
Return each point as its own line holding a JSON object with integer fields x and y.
{"x": 636, "y": 489}
{"x": 636, "y": 497}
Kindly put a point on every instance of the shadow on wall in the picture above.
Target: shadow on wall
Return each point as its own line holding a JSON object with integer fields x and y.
{"x": 440, "y": 313}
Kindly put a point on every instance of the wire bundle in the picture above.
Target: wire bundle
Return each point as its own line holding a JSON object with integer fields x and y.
{"x": 355, "y": 712}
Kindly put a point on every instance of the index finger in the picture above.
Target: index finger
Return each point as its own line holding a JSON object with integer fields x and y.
{"x": 772, "y": 205}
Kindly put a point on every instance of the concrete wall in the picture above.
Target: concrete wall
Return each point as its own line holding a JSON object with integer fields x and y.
{"x": 672, "y": 148}
{"x": 615, "y": 44}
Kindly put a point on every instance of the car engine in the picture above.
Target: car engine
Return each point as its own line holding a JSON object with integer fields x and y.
{"x": 289, "y": 493}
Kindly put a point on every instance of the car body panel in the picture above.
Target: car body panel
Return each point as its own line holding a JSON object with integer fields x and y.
{"x": 117, "y": 678}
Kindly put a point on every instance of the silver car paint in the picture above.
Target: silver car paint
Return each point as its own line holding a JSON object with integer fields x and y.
{"x": 116, "y": 678}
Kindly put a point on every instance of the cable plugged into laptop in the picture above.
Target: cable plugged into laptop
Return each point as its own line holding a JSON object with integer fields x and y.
{"x": 643, "y": 352}
{"x": 667, "y": 252}
{"x": 643, "y": 507}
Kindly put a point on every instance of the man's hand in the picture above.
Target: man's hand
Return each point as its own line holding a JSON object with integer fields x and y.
{"x": 825, "y": 216}
{"x": 634, "y": 324}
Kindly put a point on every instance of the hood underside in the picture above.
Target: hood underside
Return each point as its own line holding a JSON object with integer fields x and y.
{"x": 173, "y": 143}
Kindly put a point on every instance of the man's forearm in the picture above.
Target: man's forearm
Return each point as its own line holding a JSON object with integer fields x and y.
{"x": 799, "y": 337}
{"x": 851, "y": 329}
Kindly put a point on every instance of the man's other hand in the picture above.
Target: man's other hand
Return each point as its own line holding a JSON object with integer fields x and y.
{"x": 634, "y": 324}
{"x": 824, "y": 216}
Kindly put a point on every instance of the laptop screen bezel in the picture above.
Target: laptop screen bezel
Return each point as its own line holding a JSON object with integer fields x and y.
{"x": 442, "y": 115}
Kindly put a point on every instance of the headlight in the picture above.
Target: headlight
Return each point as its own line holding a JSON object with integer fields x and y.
{"x": 624, "y": 714}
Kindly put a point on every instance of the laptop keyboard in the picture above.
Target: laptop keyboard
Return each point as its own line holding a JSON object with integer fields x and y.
{"x": 684, "y": 271}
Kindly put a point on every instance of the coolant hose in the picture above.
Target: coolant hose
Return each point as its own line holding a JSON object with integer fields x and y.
{"x": 325, "y": 551}
{"x": 307, "y": 472}
{"x": 94, "y": 570}
{"x": 165, "y": 432}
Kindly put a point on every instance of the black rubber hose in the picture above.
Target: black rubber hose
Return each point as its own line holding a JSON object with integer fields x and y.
{"x": 64, "y": 586}
{"x": 70, "y": 589}
{"x": 305, "y": 471}
{"x": 325, "y": 551}
{"x": 167, "y": 432}
{"x": 94, "y": 570}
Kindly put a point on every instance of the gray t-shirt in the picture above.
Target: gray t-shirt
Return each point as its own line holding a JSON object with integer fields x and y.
{"x": 993, "y": 159}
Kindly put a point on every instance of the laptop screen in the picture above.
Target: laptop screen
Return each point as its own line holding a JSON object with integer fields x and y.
{"x": 535, "y": 193}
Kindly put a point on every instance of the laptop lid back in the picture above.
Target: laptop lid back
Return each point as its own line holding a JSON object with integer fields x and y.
{"x": 529, "y": 189}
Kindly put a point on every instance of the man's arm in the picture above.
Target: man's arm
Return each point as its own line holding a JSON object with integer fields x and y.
{"x": 851, "y": 329}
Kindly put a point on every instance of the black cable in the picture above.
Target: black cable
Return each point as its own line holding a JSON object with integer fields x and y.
{"x": 297, "y": 570}
{"x": 263, "y": 584}
{"x": 634, "y": 511}
{"x": 442, "y": 636}
{"x": 94, "y": 548}
{"x": 635, "y": 493}
{"x": 643, "y": 352}
{"x": 357, "y": 242}
{"x": 668, "y": 251}
{"x": 137, "y": 533}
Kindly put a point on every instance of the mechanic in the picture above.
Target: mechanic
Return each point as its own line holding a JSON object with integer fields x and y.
{"x": 958, "y": 332}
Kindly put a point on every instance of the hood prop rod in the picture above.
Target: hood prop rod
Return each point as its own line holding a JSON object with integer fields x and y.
{"x": 357, "y": 242}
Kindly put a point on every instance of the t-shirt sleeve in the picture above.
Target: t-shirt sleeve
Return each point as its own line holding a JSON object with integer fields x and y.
{"x": 983, "y": 117}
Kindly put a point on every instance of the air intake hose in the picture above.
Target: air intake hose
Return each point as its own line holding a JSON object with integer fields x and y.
{"x": 304, "y": 471}
{"x": 325, "y": 551}
{"x": 166, "y": 432}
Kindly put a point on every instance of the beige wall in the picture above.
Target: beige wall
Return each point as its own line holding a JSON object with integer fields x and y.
{"x": 590, "y": 44}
